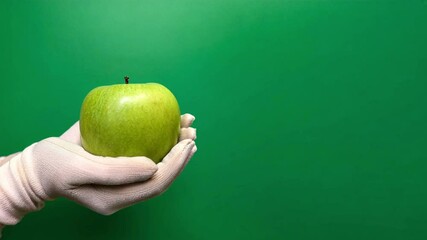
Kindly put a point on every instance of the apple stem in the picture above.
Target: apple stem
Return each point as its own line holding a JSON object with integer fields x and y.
{"x": 126, "y": 79}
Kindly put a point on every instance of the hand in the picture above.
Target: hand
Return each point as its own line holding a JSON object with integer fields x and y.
{"x": 60, "y": 167}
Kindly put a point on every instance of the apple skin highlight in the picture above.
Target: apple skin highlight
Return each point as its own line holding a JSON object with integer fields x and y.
{"x": 128, "y": 120}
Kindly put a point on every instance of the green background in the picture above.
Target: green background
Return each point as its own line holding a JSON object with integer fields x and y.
{"x": 311, "y": 115}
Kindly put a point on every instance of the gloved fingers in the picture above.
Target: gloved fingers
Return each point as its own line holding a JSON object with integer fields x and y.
{"x": 169, "y": 168}
{"x": 187, "y": 120}
{"x": 72, "y": 135}
{"x": 79, "y": 167}
{"x": 188, "y": 133}
{"x": 109, "y": 199}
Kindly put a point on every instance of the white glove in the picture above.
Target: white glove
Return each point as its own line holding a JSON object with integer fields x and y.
{"x": 60, "y": 167}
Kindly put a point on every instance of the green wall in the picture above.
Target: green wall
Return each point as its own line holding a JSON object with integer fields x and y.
{"x": 311, "y": 115}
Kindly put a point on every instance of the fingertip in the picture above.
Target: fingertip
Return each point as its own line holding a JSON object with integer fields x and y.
{"x": 191, "y": 144}
{"x": 187, "y": 142}
{"x": 188, "y": 133}
{"x": 190, "y": 148}
{"x": 152, "y": 169}
{"x": 190, "y": 116}
{"x": 152, "y": 166}
{"x": 144, "y": 162}
{"x": 193, "y": 151}
{"x": 187, "y": 120}
{"x": 125, "y": 170}
{"x": 180, "y": 149}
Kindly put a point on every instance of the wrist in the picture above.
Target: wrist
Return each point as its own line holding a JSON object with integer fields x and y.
{"x": 17, "y": 192}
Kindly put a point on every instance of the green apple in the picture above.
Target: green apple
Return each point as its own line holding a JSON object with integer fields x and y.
{"x": 130, "y": 120}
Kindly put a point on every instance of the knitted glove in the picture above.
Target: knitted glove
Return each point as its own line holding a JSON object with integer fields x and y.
{"x": 60, "y": 167}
